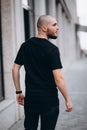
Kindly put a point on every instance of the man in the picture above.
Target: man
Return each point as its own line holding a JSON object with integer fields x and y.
{"x": 41, "y": 60}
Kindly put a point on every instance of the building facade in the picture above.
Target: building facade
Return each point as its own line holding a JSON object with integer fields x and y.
{"x": 18, "y": 22}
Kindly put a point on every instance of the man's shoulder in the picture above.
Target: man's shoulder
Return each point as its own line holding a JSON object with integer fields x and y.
{"x": 52, "y": 46}
{"x": 26, "y": 43}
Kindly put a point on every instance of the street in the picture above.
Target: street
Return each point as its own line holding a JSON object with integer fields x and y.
{"x": 76, "y": 80}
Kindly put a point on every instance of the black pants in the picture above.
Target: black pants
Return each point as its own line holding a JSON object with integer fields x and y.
{"x": 48, "y": 119}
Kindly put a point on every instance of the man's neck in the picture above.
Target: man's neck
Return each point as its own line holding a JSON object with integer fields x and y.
{"x": 42, "y": 36}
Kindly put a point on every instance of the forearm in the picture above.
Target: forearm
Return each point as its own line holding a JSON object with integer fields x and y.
{"x": 16, "y": 78}
{"x": 62, "y": 87}
{"x": 60, "y": 82}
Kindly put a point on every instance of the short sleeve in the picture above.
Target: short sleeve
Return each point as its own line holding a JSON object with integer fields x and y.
{"x": 55, "y": 61}
{"x": 19, "y": 57}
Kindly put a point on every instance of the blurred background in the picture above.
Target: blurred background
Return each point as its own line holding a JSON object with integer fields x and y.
{"x": 18, "y": 20}
{"x": 82, "y": 15}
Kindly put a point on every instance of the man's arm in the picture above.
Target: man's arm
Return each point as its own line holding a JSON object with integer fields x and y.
{"x": 16, "y": 80}
{"x": 60, "y": 82}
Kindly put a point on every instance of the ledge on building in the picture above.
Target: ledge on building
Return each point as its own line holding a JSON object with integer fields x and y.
{"x": 7, "y": 114}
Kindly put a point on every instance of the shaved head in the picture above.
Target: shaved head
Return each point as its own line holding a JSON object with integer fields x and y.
{"x": 47, "y": 27}
{"x": 43, "y": 20}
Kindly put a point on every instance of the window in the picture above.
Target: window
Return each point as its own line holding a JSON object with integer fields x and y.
{"x": 1, "y": 65}
{"x": 26, "y": 24}
{"x": 25, "y": 2}
{"x": 29, "y": 18}
{"x": 26, "y": 7}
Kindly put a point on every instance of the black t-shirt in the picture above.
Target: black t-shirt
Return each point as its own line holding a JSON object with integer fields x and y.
{"x": 39, "y": 57}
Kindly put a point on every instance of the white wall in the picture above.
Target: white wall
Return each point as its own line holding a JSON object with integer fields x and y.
{"x": 12, "y": 37}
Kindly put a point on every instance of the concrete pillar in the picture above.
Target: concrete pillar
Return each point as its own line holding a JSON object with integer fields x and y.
{"x": 18, "y": 30}
{"x": 51, "y": 5}
{"x": 19, "y": 23}
{"x": 51, "y": 10}
{"x": 60, "y": 24}
{"x": 8, "y": 42}
{"x": 12, "y": 37}
{"x": 39, "y": 9}
{"x": 8, "y": 105}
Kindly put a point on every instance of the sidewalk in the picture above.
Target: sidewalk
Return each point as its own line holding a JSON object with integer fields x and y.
{"x": 76, "y": 79}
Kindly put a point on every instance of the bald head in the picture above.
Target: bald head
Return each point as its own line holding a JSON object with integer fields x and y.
{"x": 43, "y": 20}
{"x": 47, "y": 27}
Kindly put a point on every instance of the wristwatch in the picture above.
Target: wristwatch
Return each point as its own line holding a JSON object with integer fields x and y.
{"x": 18, "y": 92}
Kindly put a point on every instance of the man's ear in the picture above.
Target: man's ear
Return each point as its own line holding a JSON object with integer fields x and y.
{"x": 44, "y": 28}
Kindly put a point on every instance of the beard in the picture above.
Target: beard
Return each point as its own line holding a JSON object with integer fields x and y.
{"x": 52, "y": 36}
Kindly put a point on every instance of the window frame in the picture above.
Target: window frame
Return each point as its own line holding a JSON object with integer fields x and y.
{"x": 1, "y": 58}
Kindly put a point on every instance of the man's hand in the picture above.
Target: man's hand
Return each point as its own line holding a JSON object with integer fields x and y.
{"x": 68, "y": 106}
{"x": 20, "y": 99}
